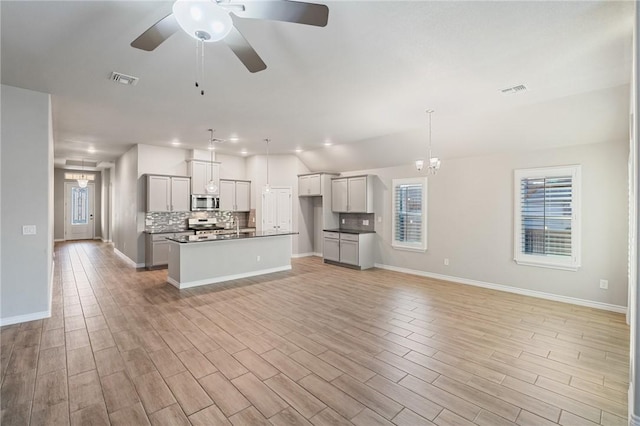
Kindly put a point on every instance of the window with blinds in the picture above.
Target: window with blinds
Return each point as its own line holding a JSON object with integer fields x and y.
{"x": 547, "y": 217}
{"x": 410, "y": 214}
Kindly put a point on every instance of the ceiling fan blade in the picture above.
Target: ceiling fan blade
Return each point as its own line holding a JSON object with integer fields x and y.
{"x": 287, "y": 11}
{"x": 157, "y": 33}
{"x": 243, "y": 50}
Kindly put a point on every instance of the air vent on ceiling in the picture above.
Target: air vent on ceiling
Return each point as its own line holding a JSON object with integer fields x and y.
{"x": 123, "y": 78}
{"x": 515, "y": 89}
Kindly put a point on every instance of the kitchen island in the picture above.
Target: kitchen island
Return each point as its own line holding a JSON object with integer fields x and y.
{"x": 197, "y": 260}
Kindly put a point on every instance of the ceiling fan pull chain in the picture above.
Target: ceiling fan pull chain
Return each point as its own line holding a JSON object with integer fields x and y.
{"x": 202, "y": 65}
{"x": 197, "y": 67}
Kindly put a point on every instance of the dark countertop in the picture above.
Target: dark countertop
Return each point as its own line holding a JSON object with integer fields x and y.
{"x": 223, "y": 237}
{"x": 168, "y": 231}
{"x": 349, "y": 231}
{"x": 192, "y": 231}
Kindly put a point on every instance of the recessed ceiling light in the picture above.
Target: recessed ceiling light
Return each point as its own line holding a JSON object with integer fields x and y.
{"x": 327, "y": 144}
{"x": 91, "y": 150}
{"x": 298, "y": 150}
{"x": 175, "y": 142}
{"x": 243, "y": 152}
{"x": 211, "y": 147}
{"x": 234, "y": 139}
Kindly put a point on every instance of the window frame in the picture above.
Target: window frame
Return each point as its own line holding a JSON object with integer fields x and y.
{"x": 422, "y": 245}
{"x": 568, "y": 263}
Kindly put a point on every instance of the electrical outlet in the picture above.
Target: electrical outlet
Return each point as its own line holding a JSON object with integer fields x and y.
{"x": 29, "y": 230}
{"x": 365, "y": 222}
{"x": 253, "y": 219}
{"x": 258, "y": 258}
{"x": 446, "y": 261}
{"x": 604, "y": 284}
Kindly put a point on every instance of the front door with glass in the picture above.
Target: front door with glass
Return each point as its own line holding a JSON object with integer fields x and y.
{"x": 79, "y": 223}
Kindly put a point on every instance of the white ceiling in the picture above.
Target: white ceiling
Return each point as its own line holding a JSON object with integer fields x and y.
{"x": 363, "y": 82}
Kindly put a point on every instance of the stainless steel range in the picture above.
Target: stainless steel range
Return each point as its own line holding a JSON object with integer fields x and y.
{"x": 207, "y": 226}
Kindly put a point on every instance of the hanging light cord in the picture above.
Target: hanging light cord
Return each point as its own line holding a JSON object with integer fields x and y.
{"x": 267, "y": 141}
{"x": 200, "y": 65}
{"x": 429, "y": 111}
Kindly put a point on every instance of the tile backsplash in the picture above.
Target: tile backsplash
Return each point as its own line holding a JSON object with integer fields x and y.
{"x": 177, "y": 221}
{"x": 356, "y": 221}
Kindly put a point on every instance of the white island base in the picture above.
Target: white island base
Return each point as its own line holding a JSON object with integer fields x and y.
{"x": 199, "y": 263}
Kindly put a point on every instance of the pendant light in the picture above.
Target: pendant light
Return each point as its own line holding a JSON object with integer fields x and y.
{"x": 83, "y": 181}
{"x": 211, "y": 187}
{"x": 267, "y": 187}
{"x": 434, "y": 162}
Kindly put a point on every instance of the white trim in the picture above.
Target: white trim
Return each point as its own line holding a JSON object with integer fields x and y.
{"x": 297, "y": 255}
{"x": 25, "y": 318}
{"x": 59, "y": 240}
{"x": 409, "y": 246}
{"x": 128, "y": 259}
{"x": 106, "y": 241}
{"x": 197, "y": 283}
{"x": 509, "y": 289}
{"x": 633, "y": 419}
{"x": 568, "y": 263}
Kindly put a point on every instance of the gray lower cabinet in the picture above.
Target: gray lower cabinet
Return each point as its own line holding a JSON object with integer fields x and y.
{"x": 157, "y": 248}
{"x": 331, "y": 246}
{"x": 349, "y": 249}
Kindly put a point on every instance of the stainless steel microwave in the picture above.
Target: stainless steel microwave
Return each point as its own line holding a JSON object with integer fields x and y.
{"x": 204, "y": 202}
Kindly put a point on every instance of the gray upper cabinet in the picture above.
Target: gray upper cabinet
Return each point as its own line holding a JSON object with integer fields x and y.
{"x": 201, "y": 173}
{"x": 310, "y": 185}
{"x": 235, "y": 195}
{"x": 352, "y": 195}
{"x": 168, "y": 193}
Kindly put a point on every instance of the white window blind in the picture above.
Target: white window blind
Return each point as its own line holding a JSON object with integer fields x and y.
{"x": 547, "y": 217}
{"x": 409, "y": 213}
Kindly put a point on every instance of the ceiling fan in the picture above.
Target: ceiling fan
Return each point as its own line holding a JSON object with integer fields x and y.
{"x": 211, "y": 21}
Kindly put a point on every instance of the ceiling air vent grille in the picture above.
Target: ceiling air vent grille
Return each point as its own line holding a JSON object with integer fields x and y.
{"x": 514, "y": 89}
{"x": 123, "y": 79}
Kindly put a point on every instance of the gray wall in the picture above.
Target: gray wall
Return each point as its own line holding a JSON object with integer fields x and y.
{"x": 26, "y": 182}
{"x": 105, "y": 201}
{"x": 58, "y": 203}
{"x": 125, "y": 206}
{"x": 470, "y": 222}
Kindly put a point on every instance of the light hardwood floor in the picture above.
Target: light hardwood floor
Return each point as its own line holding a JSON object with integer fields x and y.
{"x": 318, "y": 345}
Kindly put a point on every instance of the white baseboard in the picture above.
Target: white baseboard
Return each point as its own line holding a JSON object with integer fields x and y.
{"x": 216, "y": 280}
{"x": 634, "y": 420}
{"x": 25, "y": 318}
{"x": 516, "y": 290}
{"x": 127, "y": 259}
{"x": 59, "y": 240}
{"x": 298, "y": 255}
{"x": 106, "y": 241}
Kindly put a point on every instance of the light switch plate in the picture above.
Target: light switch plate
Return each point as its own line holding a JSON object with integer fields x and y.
{"x": 28, "y": 230}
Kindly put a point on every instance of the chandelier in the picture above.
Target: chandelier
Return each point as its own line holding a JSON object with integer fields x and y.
{"x": 434, "y": 162}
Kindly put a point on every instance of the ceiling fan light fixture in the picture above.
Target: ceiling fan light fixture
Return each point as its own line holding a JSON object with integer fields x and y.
{"x": 203, "y": 19}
